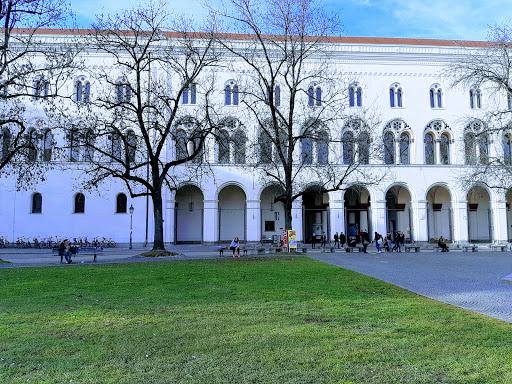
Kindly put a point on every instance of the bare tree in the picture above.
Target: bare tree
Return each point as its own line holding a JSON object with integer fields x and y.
{"x": 486, "y": 74}
{"x": 290, "y": 88}
{"x": 32, "y": 71}
{"x": 147, "y": 109}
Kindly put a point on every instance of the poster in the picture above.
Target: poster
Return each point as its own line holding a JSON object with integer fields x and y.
{"x": 292, "y": 238}
{"x": 285, "y": 239}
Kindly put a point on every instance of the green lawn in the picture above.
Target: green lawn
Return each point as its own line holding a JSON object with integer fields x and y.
{"x": 281, "y": 320}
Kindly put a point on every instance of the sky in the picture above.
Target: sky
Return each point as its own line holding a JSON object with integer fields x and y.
{"x": 429, "y": 19}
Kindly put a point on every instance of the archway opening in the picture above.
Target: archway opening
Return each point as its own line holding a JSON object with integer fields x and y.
{"x": 398, "y": 212}
{"x": 479, "y": 215}
{"x": 272, "y": 214}
{"x": 189, "y": 215}
{"x": 232, "y": 214}
{"x": 439, "y": 214}
{"x": 315, "y": 213}
{"x": 357, "y": 213}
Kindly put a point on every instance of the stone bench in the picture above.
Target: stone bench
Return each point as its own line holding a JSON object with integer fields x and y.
{"x": 408, "y": 248}
{"x": 501, "y": 247}
{"x": 466, "y": 248}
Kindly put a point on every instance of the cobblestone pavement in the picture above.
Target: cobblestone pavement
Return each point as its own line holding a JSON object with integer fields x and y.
{"x": 470, "y": 280}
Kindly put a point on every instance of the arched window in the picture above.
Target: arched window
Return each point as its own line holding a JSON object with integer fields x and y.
{"x": 404, "y": 148}
{"x": 436, "y": 96}
{"x": 476, "y": 144}
{"x": 189, "y": 95}
{"x": 121, "y": 203}
{"x": 227, "y": 95}
{"x": 74, "y": 145}
{"x": 265, "y": 148}
{"x": 389, "y": 148}
{"x": 445, "y": 149}
{"x": 79, "y": 203}
{"x": 507, "y": 149}
{"x": 363, "y": 144}
{"x": 397, "y": 138}
{"x": 348, "y": 148}
{"x": 355, "y": 96}
{"x": 223, "y": 146}
{"x": 37, "y": 203}
{"x": 32, "y": 144}
{"x": 277, "y": 96}
{"x": 475, "y": 98}
{"x": 231, "y": 96}
{"x": 429, "y": 149}
{"x": 47, "y": 145}
{"x": 123, "y": 91}
{"x": 131, "y": 143}
{"x": 314, "y": 95}
{"x": 396, "y": 96}
{"x": 322, "y": 148}
{"x": 181, "y": 145}
{"x": 470, "y": 148}
{"x": 239, "y": 141}
{"x": 116, "y": 141}
{"x": 6, "y": 142}
{"x": 307, "y": 150}
{"x": 82, "y": 89}
{"x": 437, "y": 142}
{"x": 41, "y": 87}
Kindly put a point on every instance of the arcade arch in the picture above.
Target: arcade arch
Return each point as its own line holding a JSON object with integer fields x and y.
{"x": 398, "y": 211}
{"x": 189, "y": 215}
{"x": 272, "y": 213}
{"x": 232, "y": 214}
{"x": 357, "y": 212}
{"x": 439, "y": 214}
{"x": 315, "y": 214}
{"x": 479, "y": 215}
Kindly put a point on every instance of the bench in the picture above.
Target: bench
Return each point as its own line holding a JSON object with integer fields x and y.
{"x": 409, "y": 247}
{"x": 250, "y": 250}
{"x": 352, "y": 249}
{"x": 82, "y": 251}
{"x": 466, "y": 248}
{"x": 221, "y": 250}
{"x": 501, "y": 247}
{"x": 276, "y": 250}
{"x": 331, "y": 249}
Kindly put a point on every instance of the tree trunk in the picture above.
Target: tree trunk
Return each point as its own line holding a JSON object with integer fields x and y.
{"x": 288, "y": 214}
{"x": 158, "y": 238}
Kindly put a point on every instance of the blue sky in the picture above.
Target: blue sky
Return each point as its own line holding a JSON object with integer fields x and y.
{"x": 436, "y": 19}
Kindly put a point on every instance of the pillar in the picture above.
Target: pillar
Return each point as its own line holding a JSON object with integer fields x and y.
{"x": 297, "y": 218}
{"x": 460, "y": 221}
{"x": 169, "y": 217}
{"x": 337, "y": 212}
{"x": 419, "y": 220}
{"x": 211, "y": 221}
{"x": 253, "y": 223}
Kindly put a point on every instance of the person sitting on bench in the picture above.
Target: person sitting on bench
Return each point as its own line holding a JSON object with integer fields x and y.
{"x": 442, "y": 244}
{"x": 235, "y": 246}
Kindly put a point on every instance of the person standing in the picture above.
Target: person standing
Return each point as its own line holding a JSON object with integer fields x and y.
{"x": 365, "y": 238}
{"x": 336, "y": 240}
{"x": 235, "y": 246}
{"x": 324, "y": 239}
{"x": 343, "y": 239}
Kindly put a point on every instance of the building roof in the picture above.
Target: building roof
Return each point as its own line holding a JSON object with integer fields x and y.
{"x": 331, "y": 39}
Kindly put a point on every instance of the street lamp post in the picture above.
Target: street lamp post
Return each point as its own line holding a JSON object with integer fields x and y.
{"x": 131, "y": 209}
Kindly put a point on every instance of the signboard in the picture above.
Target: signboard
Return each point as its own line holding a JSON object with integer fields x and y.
{"x": 285, "y": 239}
{"x": 292, "y": 238}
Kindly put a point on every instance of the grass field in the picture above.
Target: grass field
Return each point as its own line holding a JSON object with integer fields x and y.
{"x": 277, "y": 320}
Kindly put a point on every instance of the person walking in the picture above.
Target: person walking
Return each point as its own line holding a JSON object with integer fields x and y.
{"x": 235, "y": 246}
{"x": 365, "y": 238}
{"x": 378, "y": 242}
{"x": 336, "y": 240}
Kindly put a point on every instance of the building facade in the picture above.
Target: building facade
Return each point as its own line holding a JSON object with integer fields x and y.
{"x": 428, "y": 131}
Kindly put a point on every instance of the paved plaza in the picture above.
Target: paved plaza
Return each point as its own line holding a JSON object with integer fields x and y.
{"x": 471, "y": 280}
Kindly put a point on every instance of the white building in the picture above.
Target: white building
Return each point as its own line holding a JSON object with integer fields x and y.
{"x": 427, "y": 141}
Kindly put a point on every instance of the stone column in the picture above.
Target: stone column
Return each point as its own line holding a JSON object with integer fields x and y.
{"x": 297, "y": 218}
{"x": 253, "y": 220}
{"x": 337, "y": 214}
{"x": 211, "y": 221}
{"x": 499, "y": 218}
{"x": 419, "y": 220}
{"x": 169, "y": 215}
{"x": 460, "y": 221}
{"x": 379, "y": 216}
